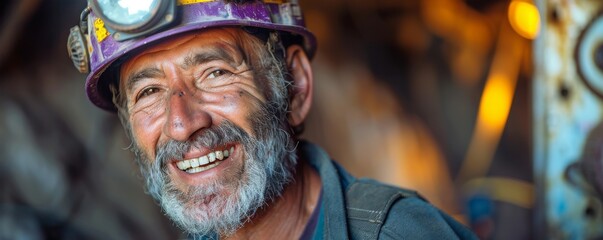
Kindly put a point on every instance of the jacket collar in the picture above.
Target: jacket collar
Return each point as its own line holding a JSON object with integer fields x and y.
{"x": 334, "y": 181}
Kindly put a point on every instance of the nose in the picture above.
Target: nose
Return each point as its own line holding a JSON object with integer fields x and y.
{"x": 184, "y": 116}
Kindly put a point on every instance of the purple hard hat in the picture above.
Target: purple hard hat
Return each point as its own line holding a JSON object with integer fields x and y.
{"x": 105, "y": 45}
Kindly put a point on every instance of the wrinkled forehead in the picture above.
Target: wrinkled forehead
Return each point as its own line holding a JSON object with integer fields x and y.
{"x": 223, "y": 43}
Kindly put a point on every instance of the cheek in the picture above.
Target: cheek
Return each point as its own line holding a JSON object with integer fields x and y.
{"x": 236, "y": 101}
{"x": 145, "y": 131}
{"x": 237, "y": 106}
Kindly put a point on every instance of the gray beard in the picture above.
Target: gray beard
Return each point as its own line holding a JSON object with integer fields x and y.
{"x": 223, "y": 206}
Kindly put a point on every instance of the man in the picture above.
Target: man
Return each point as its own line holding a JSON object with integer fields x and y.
{"x": 213, "y": 95}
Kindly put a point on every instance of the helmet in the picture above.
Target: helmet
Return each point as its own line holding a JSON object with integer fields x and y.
{"x": 111, "y": 29}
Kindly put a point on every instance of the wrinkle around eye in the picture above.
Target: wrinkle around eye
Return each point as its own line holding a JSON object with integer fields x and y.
{"x": 146, "y": 92}
{"x": 220, "y": 77}
{"x": 218, "y": 73}
{"x": 153, "y": 108}
{"x": 147, "y": 98}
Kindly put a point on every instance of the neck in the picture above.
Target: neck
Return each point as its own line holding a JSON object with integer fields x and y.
{"x": 287, "y": 216}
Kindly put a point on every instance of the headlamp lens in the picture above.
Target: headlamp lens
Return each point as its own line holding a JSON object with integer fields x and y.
{"x": 129, "y": 12}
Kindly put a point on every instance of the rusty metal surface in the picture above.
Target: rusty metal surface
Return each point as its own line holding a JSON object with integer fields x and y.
{"x": 567, "y": 113}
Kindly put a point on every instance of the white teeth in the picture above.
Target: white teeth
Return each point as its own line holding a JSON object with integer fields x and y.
{"x": 194, "y": 162}
{"x": 201, "y": 164}
{"x": 203, "y": 160}
{"x": 183, "y": 164}
{"x": 203, "y": 168}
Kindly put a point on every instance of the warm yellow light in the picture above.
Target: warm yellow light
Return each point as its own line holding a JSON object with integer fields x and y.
{"x": 524, "y": 18}
{"x": 495, "y": 103}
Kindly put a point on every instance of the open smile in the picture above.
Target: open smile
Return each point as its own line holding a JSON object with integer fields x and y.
{"x": 204, "y": 163}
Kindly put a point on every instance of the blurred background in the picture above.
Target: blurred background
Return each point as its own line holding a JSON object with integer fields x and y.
{"x": 491, "y": 109}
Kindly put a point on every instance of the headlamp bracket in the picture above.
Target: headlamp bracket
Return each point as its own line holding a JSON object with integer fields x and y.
{"x": 164, "y": 15}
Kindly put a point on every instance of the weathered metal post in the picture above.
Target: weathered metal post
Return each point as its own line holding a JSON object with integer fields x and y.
{"x": 568, "y": 120}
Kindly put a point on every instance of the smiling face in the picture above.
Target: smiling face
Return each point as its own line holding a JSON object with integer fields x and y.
{"x": 175, "y": 90}
{"x": 207, "y": 115}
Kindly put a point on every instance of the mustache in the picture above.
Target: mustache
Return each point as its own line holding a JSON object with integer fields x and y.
{"x": 212, "y": 137}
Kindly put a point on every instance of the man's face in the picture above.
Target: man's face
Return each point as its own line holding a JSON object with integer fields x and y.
{"x": 210, "y": 146}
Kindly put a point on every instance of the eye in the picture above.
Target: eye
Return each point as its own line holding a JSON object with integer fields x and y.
{"x": 147, "y": 92}
{"x": 218, "y": 73}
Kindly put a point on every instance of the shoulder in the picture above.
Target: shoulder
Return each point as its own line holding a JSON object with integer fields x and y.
{"x": 404, "y": 214}
{"x": 413, "y": 218}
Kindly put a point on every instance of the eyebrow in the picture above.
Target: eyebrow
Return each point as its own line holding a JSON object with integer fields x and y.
{"x": 207, "y": 55}
{"x": 136, "y": 77}
{"x": 194, "y": 59}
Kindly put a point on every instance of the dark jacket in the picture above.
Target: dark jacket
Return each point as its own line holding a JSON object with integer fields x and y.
{"x": 406, "y": 215}
{"x": 409, "y": 216}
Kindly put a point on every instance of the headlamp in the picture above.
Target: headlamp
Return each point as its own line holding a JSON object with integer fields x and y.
{"x": 126, "y": 19}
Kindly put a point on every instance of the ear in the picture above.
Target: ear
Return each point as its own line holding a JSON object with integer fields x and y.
{"x": 301, "y": 92}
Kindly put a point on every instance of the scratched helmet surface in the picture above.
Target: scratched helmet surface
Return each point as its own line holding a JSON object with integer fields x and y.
{"x": 98, "y": 43}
